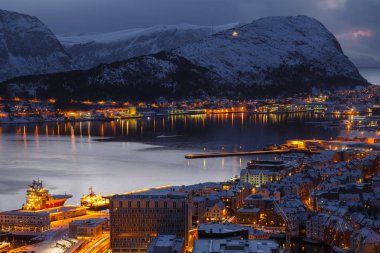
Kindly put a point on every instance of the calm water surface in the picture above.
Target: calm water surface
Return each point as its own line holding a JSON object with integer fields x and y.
{"x": 120, "y": 156}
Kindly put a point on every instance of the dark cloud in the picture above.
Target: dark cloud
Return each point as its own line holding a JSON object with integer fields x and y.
{"x": 342, "y": 17}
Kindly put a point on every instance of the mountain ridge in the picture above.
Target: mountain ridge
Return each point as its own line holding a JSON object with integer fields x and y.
{"x": 268, "y": 57}
{"x": 90, "y": 50}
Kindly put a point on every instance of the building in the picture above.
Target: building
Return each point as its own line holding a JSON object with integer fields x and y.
{"x": 66, "y": 212}
{"x": 248, "y": 215}
{"x": 338, "y": 232}
{"x": 87, "y": 228}
{"x": 136, "y": 219}
{"x": 238, "y": 246}
{"x": 216, "y": 212}
{"x": 365, "y": 241}
{"x": 24, "y": 221}
{"x": 37, "y": 221}
{"x": 259, "y": 177}
{"x": 259, "y": 173}
{"x": 315, "y": 227}
{"x": 268, "y": 214}
{"x": 275, "y": 165}
{"x": 166, "y": 244}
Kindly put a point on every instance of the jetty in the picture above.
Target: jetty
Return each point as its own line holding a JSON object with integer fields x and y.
{"x": 254, "y": 152}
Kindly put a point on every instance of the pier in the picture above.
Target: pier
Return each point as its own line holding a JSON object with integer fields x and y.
{"x": 254, "y": 152}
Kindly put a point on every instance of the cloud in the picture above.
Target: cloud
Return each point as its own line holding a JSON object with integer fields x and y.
{"x": 357, "y": 34}
{"x": 331, "y": 4}
{"x": 354, "y": 21}
{"x": 363, "y": 33}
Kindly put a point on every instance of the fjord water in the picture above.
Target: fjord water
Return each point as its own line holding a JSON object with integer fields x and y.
{"x": 121, "y": 156}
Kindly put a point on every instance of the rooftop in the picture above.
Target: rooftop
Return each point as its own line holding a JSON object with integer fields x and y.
{"x": 166, "y": 244}
{"x": 238, "y": 246}
{"x": 216, "y": 228}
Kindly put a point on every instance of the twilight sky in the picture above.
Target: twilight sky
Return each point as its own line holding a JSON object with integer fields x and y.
{"x": 356, "y": 23}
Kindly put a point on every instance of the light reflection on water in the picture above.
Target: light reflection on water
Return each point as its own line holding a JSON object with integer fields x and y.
{"x": 126, "y": 155}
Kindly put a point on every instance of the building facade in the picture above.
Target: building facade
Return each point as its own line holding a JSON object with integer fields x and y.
{"x": 87, "y": 228}
{"x": 23, "y": 221}
{"x": 136, "y": 219}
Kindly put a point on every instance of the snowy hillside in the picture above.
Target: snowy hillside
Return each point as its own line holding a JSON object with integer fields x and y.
{"x": 268, "y": 57}
{"x": 28, "y": 47}
{"x": 91, "y": 49}
{"x": 246, "y": 54}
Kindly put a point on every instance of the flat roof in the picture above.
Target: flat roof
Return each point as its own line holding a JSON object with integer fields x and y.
{"x": 42, "y": 212}
{"x": 238, "y": 246}
{"x": 153, "y": 194}
{"x": 92, "y": 222}
{"x": 219, "y": 228}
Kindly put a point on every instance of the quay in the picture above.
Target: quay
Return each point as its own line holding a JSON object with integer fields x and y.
{"x": 254, "y": 152}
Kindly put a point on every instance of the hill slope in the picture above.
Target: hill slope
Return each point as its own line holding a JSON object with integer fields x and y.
{"x": 28, "y": 47}
{"x": 268, "y": 57}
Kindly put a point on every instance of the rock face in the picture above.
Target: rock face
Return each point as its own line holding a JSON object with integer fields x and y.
{"x": 270, "y": 56}
{"x": 90, "y": 50}
{"x": 28, "y": 47}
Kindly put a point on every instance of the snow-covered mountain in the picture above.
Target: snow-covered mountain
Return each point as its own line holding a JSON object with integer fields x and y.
{"x": 268, "y": 45}
{"x": 27, "y": 46}
{"x": 270, "y": 56}
{"x": 91, "y": 49}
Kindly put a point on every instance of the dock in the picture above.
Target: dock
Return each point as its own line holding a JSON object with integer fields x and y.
{"x": 254, "y": 152}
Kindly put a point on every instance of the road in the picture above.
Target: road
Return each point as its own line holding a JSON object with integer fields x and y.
{"x": 100, "y": 245}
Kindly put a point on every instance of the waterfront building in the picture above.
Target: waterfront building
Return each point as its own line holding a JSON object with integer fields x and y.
{"x": 238, "y": 246}
{"x": 136, "y": 219}
{"x": 24, "y": 221}
{"x": 87, "y": 228}
{"x": 166, "y": 244}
